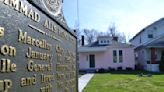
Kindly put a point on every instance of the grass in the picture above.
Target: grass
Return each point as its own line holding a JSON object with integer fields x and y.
{"x": 126, "y": 82}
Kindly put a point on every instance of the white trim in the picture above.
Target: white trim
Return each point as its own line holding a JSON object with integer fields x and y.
{"x": 92, "y": 49}
{"x": 117, "y": 56}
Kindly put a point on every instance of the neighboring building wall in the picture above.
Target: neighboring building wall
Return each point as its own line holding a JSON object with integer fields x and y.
{"x": 136, "y": 41}
{"x": 160, "y": 29}
{"x": 156, "y": 30}
{"x": 142, "y": 57}
{"x": 159, "y": 51}
{"x": 143, "y": 39}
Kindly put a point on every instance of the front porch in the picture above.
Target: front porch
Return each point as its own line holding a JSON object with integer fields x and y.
{"x": 152, "y": 67}
{"x": 154, "y": 58}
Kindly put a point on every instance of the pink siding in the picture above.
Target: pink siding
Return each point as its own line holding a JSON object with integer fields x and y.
{"x": 82, "y": 61}
{"x": 105, "y": 59}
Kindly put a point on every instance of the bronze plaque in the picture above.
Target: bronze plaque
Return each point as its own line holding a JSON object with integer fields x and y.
{"x": 37, "y": 49}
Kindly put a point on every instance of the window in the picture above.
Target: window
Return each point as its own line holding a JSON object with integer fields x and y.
{"x": 92, "y": 61}
{"x": 120, "y": 56}
{"x": 117, "y": 56}
{"x": 101, "y": 41}
{"x": 150, "y": 35}
{"x": 87, "y": 57}
{"x": 108, "y": 41}
{"x": 114, "y": 56}
{"x": 104, "y": 41}
{"x": 140, "y": 40}
{"x": 155, "y": 28}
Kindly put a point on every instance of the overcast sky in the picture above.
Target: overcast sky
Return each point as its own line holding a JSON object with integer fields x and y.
{"x": 129, "y": 16}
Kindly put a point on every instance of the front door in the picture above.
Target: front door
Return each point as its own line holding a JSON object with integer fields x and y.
{"x": 92, "y": 61}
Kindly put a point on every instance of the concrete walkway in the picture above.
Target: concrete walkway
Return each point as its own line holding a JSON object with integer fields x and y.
{"x": 83, "y": 81}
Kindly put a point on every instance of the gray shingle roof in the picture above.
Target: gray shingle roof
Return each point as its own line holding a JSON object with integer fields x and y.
{"x": 96, "y": 44}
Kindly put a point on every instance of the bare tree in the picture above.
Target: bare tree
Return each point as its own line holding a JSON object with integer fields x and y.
{"x": 121, "y": 37}
{"x": 90, "y": 35}
{"x": 112, "y": 30}
{"x": 114, "y": 33}
{"x": 78, "y": 33}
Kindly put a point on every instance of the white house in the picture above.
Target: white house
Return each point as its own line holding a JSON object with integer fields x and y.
{"x": 149, "y": 43}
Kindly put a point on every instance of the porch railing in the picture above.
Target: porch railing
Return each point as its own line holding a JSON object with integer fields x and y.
{"x": 154, "y": 62}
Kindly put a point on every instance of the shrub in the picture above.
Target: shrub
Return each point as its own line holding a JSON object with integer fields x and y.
{"x": 109, "y": 68}
{"x": 129, "y": 68}
{"x": 161, "y": 63}
{"x": 113, "y": 69}
{"x": 139, "y": 67}
{"x": 119, "y": 68}
{"x": 82, "y": 71}
{"x": 102, "y": 70}
{"x": 161, "y": 66}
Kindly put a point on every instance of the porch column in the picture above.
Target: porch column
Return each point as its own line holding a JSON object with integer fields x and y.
{"x": 153, "y": 56}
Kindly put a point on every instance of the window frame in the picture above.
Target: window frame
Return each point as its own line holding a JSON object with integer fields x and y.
{"x": 120, "y": 56}
{"x": 114, "y": 56}
{"x": 117, "y": 56}
{"x": 150, "y": 36}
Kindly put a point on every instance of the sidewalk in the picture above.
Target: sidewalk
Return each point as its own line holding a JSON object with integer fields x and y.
{"x": 83, "y": 81}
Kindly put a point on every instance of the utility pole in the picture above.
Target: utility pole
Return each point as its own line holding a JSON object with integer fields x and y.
{"x": 78, "y": 19}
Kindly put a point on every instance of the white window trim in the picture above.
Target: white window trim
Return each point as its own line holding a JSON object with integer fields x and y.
{"x": 117, "y": 55}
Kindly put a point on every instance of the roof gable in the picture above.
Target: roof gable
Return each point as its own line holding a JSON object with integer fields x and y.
{"x": 151, "y": 25}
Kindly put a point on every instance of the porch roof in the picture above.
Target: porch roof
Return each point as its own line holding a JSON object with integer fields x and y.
{"x": 156, "y": 44}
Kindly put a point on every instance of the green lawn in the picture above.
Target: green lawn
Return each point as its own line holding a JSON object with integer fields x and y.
{"x": 126, "y": 82}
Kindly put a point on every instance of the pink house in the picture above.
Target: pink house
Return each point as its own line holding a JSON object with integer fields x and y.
{"x": 106, "y": 53}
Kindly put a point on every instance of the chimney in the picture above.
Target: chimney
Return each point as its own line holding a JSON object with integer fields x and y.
{"x": 82, "y": 39}
{"x": 74, "y": 30}
{"x": 115, "y": 38}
